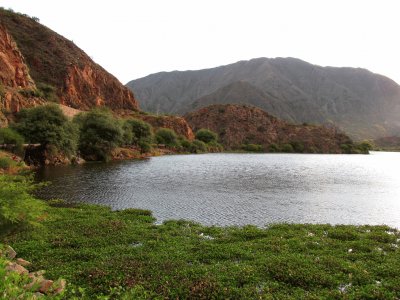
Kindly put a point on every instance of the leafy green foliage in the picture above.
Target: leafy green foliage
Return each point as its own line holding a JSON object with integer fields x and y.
{"x": 17, "y": 205}
{"x": 100, "y": 133}
{"x": 47, "y": 125}
{"x": 11, "y": 137}
{"x": 185, "y": 260}
{"x": 136, "y": 131}
{"x": 206, "y": 136}
{"x": 253, "y": 148}
{"x": 167, "y": 137}
{"x": 287, "y": 148}
{"x": 198, "y": 146}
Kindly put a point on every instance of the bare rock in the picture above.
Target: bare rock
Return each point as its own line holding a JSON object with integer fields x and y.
{"x": 45, "y": 286}
{"x": 59, "y": 286}
{"x": 23, "y": 262}
{"x": 14, "y": 267}
{"x": 10, "y": 252}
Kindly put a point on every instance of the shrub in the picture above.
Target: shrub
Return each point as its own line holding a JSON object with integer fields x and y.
{"x": 198, "y": 146}
{"x": 47, "y": 125}
{"x": 298, "y": 147}
{"x": 214, "y": 147}
{"x": 47, "y": 92}
{"x": 206, "y": 136}
{"x": 136, "y": 131}
{"x": 287, "y": 148}
{"x": 145, "y": 147}
{"x": 167, "y": 137}
{"x": 252, "y": 148}
{"x": 100, "y": 133}
{"x": 11, "y": 137}
{"x": 17, "y": 205}
{"x": 273, "y": 148}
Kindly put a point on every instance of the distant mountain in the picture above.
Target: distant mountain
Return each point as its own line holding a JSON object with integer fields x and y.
{"x": 363, "y": 104}
{"x": 238, "y": 125}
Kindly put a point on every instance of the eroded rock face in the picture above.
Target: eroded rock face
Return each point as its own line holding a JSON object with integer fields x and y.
{"x": 13, "y": 69}
{"x": 237, "y": 125}
{"x": 88, "y": 86}
{"x": 177, "y": 124}
{"x": 56, "y": 63}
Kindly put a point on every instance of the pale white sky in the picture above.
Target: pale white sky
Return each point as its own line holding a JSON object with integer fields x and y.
{"x": 132, "y": 38}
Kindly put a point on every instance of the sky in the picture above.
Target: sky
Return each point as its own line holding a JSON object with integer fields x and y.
{"x": 132, "y": 38}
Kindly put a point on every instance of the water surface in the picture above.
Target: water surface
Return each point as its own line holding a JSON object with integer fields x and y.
{"x": 239, "y": 189}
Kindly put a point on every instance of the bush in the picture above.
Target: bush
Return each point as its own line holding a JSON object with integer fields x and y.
{"x": 145, "y": 147}
{"x": 100, "y": 134}
{"x": 47, "y": 92}
{"x": 253, "y": 148}
{"x": 17, "y": 205}
{"x": 136, "y": 131}
{"x": 298, "y": 147}
{"x": 206, "y": 136}
{"x": 47, "y": 125}
{"x": 214, "y": 147}
{"x": 273, "y": 148}
{"x": 198, "y": 147}
{"x": 11, "y": 137}
{"x": 287, "y": 148}
{"x": 167, "y": 137}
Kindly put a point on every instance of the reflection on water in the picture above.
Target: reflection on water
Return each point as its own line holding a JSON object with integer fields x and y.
{"x": 238, "y": 189}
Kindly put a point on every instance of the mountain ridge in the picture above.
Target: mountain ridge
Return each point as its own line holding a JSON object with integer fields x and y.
{"x": 360, "y": 102}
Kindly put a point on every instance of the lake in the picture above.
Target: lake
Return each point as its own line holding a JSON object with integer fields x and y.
{"x": 239, "y": 189}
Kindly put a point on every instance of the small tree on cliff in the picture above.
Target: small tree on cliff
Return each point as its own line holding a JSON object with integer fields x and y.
{"x": 48, "y": 126}
{"x": 100, "y": 133}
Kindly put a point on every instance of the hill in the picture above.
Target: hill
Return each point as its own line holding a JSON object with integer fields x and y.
{"x": 38, "y": 65}
{"x": 239, "y": 125}
{"x": 363, "y": 104}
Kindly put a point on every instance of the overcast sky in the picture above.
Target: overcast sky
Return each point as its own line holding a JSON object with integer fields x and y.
{"x": 132, "y": 39}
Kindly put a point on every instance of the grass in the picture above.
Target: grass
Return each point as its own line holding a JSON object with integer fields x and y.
{"x": 124, "y": 255}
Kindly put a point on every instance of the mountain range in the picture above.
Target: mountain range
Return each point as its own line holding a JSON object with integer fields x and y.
{"x": 363, "y": 104}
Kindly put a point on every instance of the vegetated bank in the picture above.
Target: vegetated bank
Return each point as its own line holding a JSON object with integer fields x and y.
{"x": 125, "y": 255}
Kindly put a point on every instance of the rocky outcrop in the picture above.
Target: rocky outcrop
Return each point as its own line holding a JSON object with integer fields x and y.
{"x": 14, "y": 72}
{"x": 16, "y": 85}
{"x": 238, "y": 125}
{"x": 177, "y": 124}
{"x": 37, "y": 285}
{"x": 58, "y": 66}
{"x": 363, "y": 104}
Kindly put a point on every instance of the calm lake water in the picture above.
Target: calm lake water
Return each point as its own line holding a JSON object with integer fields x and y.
{"x": 239, "y": 189}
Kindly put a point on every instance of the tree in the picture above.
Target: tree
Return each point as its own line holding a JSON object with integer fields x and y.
{"x": 100, "y": 133}
{"x": 167, "y": 137}
{"x": 139, "y": 130}
{"x": 48, "y": 126}
{"x": 206, "y": 136}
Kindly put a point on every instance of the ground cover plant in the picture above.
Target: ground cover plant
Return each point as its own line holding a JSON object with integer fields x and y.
{"x": 125, "y": 255}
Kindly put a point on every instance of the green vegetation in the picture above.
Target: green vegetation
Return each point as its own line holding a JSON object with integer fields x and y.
{"x": 361, "y": 148}
{"x": 17, "y": 205}
{"x": 206, "y": 136}
{"x": 138, "y": 133}
{"x": 167, "y": 137}
{"x": 100, "y": 133}
{"x": 287, "y": 148}
{"x": 47, "y": 125}
{"x": 253, "y": 148}
{"x": 11, "y": 137}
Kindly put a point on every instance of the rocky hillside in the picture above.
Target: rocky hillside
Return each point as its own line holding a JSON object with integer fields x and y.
{"x": 363, "y": 104}
{"x": 37, "y": 63}
{"x": 238, "y": 125}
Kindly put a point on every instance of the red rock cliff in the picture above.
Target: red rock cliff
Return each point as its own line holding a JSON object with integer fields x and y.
{"x": 56, "y": 62}
{"x": 241, "y": 124}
